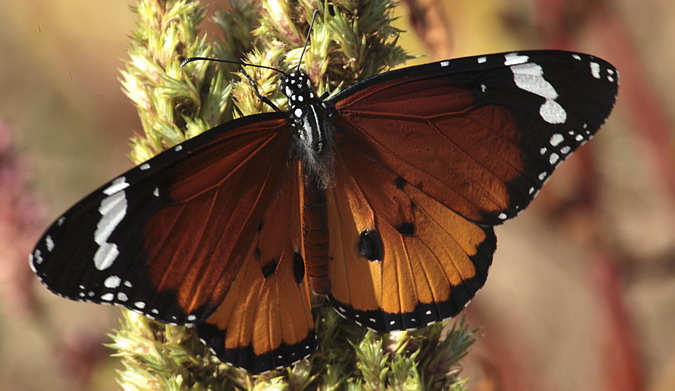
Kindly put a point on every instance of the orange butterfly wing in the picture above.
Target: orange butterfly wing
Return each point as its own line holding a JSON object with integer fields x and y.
{"x": 265, "y": 319}
{"x": 480, "y": 134}
{"x": 429, "y": 158}
{"x": 429, "y": 261}
{"x": 205, "y": 233}
{"x": 425, "y": 144}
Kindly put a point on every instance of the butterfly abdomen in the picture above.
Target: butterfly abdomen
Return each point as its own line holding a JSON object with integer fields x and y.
{"x": 315, "y": 221}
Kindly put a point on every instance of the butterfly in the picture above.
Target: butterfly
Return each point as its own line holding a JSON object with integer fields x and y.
{"x": 382, "y": 197}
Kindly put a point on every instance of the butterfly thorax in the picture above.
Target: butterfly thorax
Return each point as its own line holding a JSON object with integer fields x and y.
{"x": 308, "y": 116}
{"x": 306, "y": 112}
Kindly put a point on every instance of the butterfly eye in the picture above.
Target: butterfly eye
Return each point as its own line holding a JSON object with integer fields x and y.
{"x": 370, "y": 245}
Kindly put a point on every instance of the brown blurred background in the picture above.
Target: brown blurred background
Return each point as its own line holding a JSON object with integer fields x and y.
{"x": 581, "y": 295}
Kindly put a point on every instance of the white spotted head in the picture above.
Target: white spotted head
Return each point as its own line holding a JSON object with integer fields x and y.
{"x": 298, "y": 89}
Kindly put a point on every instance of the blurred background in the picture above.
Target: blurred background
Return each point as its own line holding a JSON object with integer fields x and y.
{"x": 581, "y": 295}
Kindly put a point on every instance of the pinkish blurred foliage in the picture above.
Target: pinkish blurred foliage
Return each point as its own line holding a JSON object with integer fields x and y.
{"x": 19, "y": 210}
{"x": 79, "y": 352}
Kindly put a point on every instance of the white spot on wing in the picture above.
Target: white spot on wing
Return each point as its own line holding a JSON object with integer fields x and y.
{"x": 121, "y": 296}
{"x": 37, "y": 256}
{"x": 139, "y": 305}
{"x": 553, "y": 159}
{"x": 530, "y": 77}
{"x": 514, "y": 58}
{"x": 595, "y": 69}
{"x": 552, "y": 112}
{"x": 556, "y": 139}
{"x": 49, "y": 242}
{"x": 178, "y": 148}
{"x": 112, "y": 282}
{"x": 105, "y": 255}
{"x": 482, "y": 59}
{"x": 108, "y": 297}
{"x": 116, "y": 185}
{"x": 144, "y": 166}
{"x": 445, "y": 63}
{"x": 112, "y": 209}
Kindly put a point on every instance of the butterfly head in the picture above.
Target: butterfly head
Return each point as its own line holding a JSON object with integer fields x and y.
{"x": 298, "y": 89}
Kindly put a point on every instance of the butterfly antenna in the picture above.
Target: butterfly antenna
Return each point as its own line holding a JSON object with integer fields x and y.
{"x": 309, "y": 32}
{"x": 191, "y": 59}
{"x": 253, "y": 83}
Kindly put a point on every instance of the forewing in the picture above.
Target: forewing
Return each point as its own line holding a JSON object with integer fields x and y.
{"x": 480, "y": 134}
{"x": 168, "y": 237}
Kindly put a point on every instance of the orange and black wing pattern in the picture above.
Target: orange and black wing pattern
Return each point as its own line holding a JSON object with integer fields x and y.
{"x": 193, "y": 236}
{"x": 480, "y": 134}
{"x": 399, "y": 258}
{"x": 383, "y": 197}
{"x": 429, "y": 158}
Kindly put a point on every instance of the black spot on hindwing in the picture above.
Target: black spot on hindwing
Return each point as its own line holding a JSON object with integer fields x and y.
{"x": 400, "y": 182}
{"x": 298, "y": 267}
{"x": 269, "y": 268}
{"x": 370, "y": 245}
{"x": 406, "y": 229}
